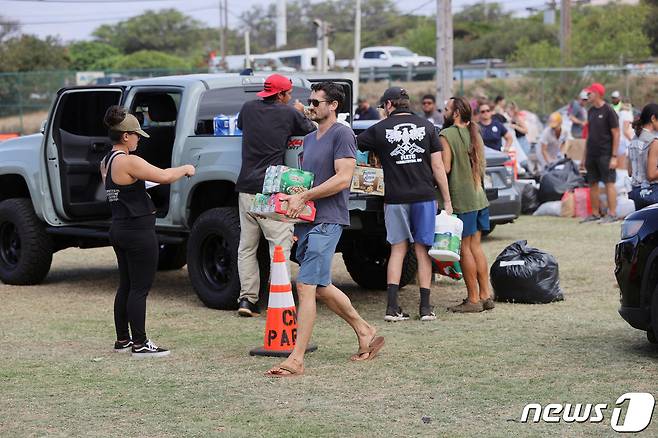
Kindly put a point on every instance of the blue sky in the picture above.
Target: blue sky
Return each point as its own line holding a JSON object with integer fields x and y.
{"x": 76, "y": 19}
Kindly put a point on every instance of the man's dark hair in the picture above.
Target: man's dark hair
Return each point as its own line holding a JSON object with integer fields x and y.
{"x": 429, "y": 97}
{"x": 401, "y": 104}
{"x": 498, "y": 99}
{"x": 333, "y": 91}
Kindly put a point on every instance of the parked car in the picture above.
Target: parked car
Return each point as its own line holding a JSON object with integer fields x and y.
{"x": 504, "y": 198}
{"x": 392, "y": 56}
{"x": 636, "y": 270}
{"x": 52, "y": 196}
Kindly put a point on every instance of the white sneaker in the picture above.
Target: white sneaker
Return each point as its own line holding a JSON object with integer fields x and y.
{"x": 149, "y": 349}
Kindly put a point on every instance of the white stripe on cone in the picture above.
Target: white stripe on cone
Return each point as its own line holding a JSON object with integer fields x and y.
{"x": 280, "y": 300}
{"x": 279, "y": 274}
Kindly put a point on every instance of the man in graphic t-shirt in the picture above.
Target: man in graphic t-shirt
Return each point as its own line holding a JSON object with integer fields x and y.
{"x": 409, "y": 150}
{"x": 601, "y": 153}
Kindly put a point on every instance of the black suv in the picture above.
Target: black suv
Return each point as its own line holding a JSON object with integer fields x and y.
{"x": 636, "y": 269}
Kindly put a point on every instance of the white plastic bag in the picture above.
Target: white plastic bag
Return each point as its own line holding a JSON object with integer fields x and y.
{"x": 447, "y": 238}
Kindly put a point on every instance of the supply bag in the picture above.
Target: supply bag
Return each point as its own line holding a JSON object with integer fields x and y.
{"x": 447, "y": 238}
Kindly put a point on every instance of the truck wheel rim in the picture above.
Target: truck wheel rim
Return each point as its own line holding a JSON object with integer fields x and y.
{"x": 216, "y": 261}
{"x": 10, "y": 244}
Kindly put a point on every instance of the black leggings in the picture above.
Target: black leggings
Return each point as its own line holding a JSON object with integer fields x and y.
{"x": 136, "y": 246}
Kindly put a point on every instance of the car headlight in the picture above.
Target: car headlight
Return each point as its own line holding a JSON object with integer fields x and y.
{"x": 630, "y": 227}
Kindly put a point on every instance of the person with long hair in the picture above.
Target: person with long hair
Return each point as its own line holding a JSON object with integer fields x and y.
{"x": 464, "y": 162}
{"x": 643, "y": 158}
{"x": 132, "y": 232}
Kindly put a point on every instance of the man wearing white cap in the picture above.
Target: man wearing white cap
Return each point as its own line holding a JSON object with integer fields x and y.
{"x": 615, "y": 98}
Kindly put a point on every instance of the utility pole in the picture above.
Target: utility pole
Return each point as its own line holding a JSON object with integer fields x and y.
{"x": 565, "y": 31}
{"x": 281, "y": 29}
{"x": 357, "y": 49}
{"x": 247, "y": 49}
{"x": 322, "y": 33}
{"x": 222, "y": 43}
{"x": 444, "y": 51}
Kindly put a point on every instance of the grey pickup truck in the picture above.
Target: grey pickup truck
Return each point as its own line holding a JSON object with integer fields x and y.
{"x": 51, "y": 195}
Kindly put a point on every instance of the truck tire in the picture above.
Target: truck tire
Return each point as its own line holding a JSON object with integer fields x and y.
{"x": 367, "y": 261}
{"x": 26, "y": 250}
{"x": 212, "y": 257}
{"x": 172, "y": 256}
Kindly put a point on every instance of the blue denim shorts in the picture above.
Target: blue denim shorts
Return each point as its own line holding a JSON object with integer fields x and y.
{"x": 316, "y": 245}
{"x": 474, "y": 221}
{"x": 413, "y": 222}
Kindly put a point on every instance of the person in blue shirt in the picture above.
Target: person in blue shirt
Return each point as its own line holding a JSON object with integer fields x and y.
{"x": 493, "y": 132}
{"x": 364, "y": 111}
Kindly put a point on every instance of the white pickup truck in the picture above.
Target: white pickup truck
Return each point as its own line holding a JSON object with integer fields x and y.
{"x": 392, "y": 56}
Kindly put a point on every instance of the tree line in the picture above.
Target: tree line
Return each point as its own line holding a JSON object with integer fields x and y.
{"x": 170, "y": 39}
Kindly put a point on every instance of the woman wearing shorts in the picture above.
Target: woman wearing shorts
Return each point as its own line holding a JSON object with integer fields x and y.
{"x": 463, "y": 159}
{"x": 132, "y": 232}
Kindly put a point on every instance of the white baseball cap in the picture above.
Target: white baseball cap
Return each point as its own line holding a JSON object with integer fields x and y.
{"x": 583, "y": 95}
{"x": 616, "y": 94}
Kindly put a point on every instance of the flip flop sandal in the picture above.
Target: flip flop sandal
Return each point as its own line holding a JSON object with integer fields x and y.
{"x": 373, "y": 349}
{"x": 278, "y": 371}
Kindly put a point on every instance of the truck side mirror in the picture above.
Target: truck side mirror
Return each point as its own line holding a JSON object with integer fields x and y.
{"x": 383, "y": 56}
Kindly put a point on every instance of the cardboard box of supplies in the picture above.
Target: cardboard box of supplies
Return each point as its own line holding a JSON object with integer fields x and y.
{"x": 368, "y": 180}
{"x": 271, "y": 206}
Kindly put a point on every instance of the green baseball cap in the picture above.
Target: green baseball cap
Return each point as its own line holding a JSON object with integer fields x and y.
{"x": 130, "y": 124}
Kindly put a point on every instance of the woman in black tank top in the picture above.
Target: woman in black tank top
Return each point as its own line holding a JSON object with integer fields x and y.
{"x": 132, "y": 232}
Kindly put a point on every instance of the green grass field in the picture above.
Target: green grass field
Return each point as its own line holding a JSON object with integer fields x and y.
{"x": 470, "y": 374}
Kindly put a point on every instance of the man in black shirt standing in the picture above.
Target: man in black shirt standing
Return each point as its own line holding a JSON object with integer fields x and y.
{"x": 266, "y": 125}
{"x": 410, "y": 152}
{"x": 601, "y": 153}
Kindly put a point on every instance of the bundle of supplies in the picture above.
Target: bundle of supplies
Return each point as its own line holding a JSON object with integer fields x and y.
{"x": 284, "y": 179}
{"x": 447, "y": 238}
{"x": 368, "y": 180}
{"x": 271, "y": 206}
{"x": 279, "y": 181}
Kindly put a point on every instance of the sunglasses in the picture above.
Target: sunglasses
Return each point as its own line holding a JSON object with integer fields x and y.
{"x": 316, "y": 102}
{"x": 485, "y": 111}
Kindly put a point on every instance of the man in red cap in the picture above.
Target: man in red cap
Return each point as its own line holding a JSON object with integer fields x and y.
{"x": 601, "y": 153}
{"x": 266, "y": 125}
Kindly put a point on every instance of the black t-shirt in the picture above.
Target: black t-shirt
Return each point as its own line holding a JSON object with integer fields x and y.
{"x": 601, "y": 121}
{"x": 266, "y": 127}
{"x": 404, "y": 143}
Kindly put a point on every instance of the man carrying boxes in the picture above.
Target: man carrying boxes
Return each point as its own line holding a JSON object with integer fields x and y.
{"x": 266, "y": 125}
{"x": 329, "y": 154}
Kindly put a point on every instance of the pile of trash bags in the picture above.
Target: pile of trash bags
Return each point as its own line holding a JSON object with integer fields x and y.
{"x": 523, "y": 274}
{"x": 562, "y": 191}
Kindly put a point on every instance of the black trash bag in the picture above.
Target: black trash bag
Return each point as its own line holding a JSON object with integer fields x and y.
{"x": 560, "y": 177}
{"x": 523, "y": 274}
{"x": 529, "y": 198}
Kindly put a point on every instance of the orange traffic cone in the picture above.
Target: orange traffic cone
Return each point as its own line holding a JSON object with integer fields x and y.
{"x": 281, "y": 324}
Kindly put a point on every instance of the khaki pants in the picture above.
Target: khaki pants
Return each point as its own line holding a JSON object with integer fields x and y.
{"x": 276, "y": 233}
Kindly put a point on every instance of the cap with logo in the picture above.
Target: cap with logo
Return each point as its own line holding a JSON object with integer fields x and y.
{"x": 616, "y": 94}
{"x": 597, "y": 88}
{"x": 393, "y": 93}
{"x": 129, "y": 124}
{"x": 275, "y": 84}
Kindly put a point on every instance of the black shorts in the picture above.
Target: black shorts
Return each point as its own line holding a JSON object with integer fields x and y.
{"x": 598, "y": 170}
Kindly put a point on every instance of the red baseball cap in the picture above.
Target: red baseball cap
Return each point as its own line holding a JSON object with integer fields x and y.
{"x": 597, "y": 88}
{"x": 275, "y": 84}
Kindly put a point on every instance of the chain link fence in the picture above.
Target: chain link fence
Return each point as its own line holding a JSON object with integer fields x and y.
{"x": 26, "y": 97}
